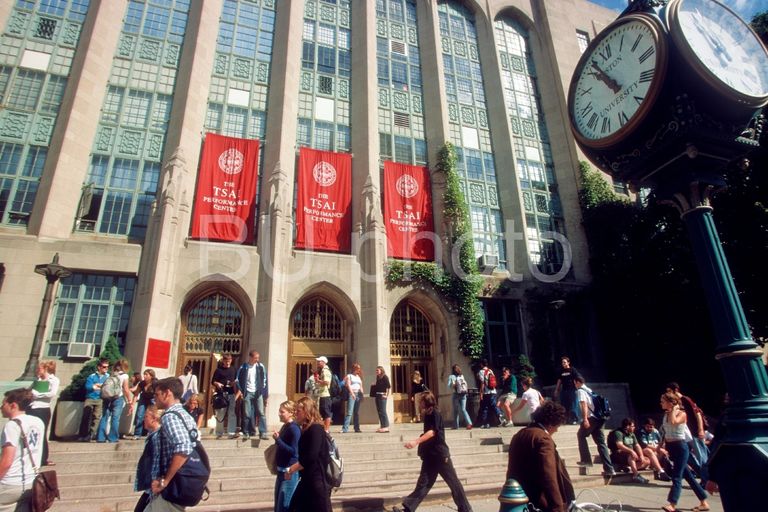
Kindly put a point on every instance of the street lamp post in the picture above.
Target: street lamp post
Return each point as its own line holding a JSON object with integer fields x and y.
{"x": 52, "y": 272}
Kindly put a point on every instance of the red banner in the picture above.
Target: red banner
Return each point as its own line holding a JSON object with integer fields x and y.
{"x": 226, "y": 190}
{"x": 158, "y": 353}
{"x": 408, "y": 212}
{"x": 323, "y": 212}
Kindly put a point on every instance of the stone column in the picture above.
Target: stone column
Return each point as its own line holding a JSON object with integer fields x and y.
{"x": 269, "y": 333}
{"x": 156, "y": 304}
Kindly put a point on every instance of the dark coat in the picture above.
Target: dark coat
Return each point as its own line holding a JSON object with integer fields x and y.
{"x": 536, "y": 465}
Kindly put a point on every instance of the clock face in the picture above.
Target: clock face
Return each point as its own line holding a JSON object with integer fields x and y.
{"x": 722, "y": 47}
{"x": 616, "y": 81}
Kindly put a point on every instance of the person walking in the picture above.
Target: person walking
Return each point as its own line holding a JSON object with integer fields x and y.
{"x": 417, "y": 388}
{"x": 287, "y": 454}
{"x": 93, "y": 405}
{"x": 251, "y": 382}
{"x": 143, "y": 480}
{"x": 381, "y": 390}
{"x": 224, "y": 383}
{"x": 673, "y": 427}
{"x": 535, "y": 463}
{"x": 699, "y": 451}
{"x": 487, "y": 380}
{"x": 189, "y": 382}
{"x": 313, "y": 492}
{"x": 45, "y": 389}
{"x": 591, "y": 426}
{"x": 458, "y": 386}
{"x": 323, "y": 389}
{"x": 354, "y": 384}
{"x": 435, "y": 460}
{"x": 113, "y": 406}
{"x": 565, "y": 389}
{"x": 144, "y": 397}
{"x": 176, "y": 443}
{"x": 21, "y": 439}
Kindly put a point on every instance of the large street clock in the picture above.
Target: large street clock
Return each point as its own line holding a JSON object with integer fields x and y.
{"x": 725, "y": 54}
{"x": 617, "y": 80}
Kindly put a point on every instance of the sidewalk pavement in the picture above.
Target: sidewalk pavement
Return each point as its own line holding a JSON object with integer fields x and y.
{"x": 617, "y": 497}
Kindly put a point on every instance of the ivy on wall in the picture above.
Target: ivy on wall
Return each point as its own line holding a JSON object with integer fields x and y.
{"x": 461, "y": 285}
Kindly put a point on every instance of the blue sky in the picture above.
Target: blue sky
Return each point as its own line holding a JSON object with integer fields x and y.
{"x": 745, "y": 8}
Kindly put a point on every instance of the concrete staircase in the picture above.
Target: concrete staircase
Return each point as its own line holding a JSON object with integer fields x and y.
{"x": 378, "y": 471}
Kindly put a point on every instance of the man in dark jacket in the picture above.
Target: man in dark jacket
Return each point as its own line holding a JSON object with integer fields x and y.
{"x": 535, "y": 463}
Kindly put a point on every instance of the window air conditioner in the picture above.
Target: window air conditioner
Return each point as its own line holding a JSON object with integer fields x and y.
{"x": 487, "y": 263}
{"x": 83, "y": 350}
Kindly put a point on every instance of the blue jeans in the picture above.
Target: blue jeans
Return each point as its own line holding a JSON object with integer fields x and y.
{"x": 111, "y": 416}
{"x": 488, "y": 402}
{"x": 596, "y": 431}
{"x": 284, "y": 490}
{"x": 138, "y": 422}
{"x": 460, "y": 408}
{"x": 254, "y": 406}
{"x": 678, "y": 453}
{"x": 381, "y": 409}
{"x": 353, "y": 411}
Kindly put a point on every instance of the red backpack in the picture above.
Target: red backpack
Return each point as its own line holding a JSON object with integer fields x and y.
{"x": 490, "y": 379}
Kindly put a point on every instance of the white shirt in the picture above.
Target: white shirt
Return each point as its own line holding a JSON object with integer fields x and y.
{"x": 21, "y": 471}
{"x": 355, "y": 382}
{"x": 532, "y": 398}
{"x": 584, "y": 394}
{"x": 44, "y": 399}
{"x": 250, "y": 379}
{"x": 189, "y": 382}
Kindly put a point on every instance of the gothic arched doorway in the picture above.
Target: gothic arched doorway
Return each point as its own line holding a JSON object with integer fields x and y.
{"x": 211, "y": 324}
{"x": 317, "y": 329}
{"x": 411, "y": 348}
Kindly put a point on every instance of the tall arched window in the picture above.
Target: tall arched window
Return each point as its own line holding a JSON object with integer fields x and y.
{"x": 411, "y": 349}
{"x": 533, "y": 154}
{"x": 326, "y": 69}
{"x": 214, "y": 324}
{"x": 401, "y": 112}
{"x": 469, "y": 128}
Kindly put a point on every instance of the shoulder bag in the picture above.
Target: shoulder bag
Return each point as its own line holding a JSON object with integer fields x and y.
{"x": 45, "y": 487}
{"x": 190, "y": 483}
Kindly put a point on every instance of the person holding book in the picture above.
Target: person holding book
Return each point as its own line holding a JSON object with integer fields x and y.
{"x": 45, "y": 389}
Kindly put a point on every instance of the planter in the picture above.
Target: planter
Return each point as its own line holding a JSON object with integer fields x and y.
{"x": 69, "y": 415}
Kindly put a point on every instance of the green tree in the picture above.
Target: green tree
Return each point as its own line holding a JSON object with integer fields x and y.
{"x": 760, "y": 26}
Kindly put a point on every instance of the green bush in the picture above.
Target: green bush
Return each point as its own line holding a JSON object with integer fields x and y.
{"x": 76, "y": 389}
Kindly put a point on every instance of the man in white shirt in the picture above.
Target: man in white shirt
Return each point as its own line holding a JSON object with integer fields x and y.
{"x": 251, "y": 382}
{"x": 591, "y": 426}
{"x": 16, "y": 471}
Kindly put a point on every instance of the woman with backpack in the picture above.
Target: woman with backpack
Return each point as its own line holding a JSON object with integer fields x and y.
{"x": 287, "y": 454}
{"x": 115, "y": 394}
{"x": 458, "y": 385}
{"x": 313, "y": 492}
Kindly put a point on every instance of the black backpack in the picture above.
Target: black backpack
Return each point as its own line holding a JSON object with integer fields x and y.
{"x": 190, "y": 483}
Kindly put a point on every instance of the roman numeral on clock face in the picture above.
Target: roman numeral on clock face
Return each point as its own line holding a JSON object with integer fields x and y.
{"x": 592, "y": 121}
{"x": 606, "y": 53}
{"x": 647, "y": 54}
{"x": 606, "y": 125}
{"x": 646, "y": 76}
{"x": 623, "y": 118}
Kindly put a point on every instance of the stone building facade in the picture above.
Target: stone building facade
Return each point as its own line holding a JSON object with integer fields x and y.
{"x": 105, "y": 107}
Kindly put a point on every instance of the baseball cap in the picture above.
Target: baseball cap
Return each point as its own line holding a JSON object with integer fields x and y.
{"x": 323, "y": 359}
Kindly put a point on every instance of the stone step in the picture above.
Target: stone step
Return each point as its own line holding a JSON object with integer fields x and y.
{"x": 376, "y": 463}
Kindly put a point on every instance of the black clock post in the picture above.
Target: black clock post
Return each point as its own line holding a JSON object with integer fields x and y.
{"x": 677, "y": 138}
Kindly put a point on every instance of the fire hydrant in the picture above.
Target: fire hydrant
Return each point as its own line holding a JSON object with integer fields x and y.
{"x": 513, "y": 497}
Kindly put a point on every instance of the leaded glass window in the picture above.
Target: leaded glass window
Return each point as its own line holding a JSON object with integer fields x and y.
{"x": 533, "y": 153}
{"x": 401, "y": 117}
{"x": 326, "y": 68}
{"x": 125, "y": 164}
{"x": 35, "y": 59}
{"x": 468, "y": 126}
{"x": 89, "y": 308}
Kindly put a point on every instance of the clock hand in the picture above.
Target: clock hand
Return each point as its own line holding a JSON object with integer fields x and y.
{"x": 603, "y": 77}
